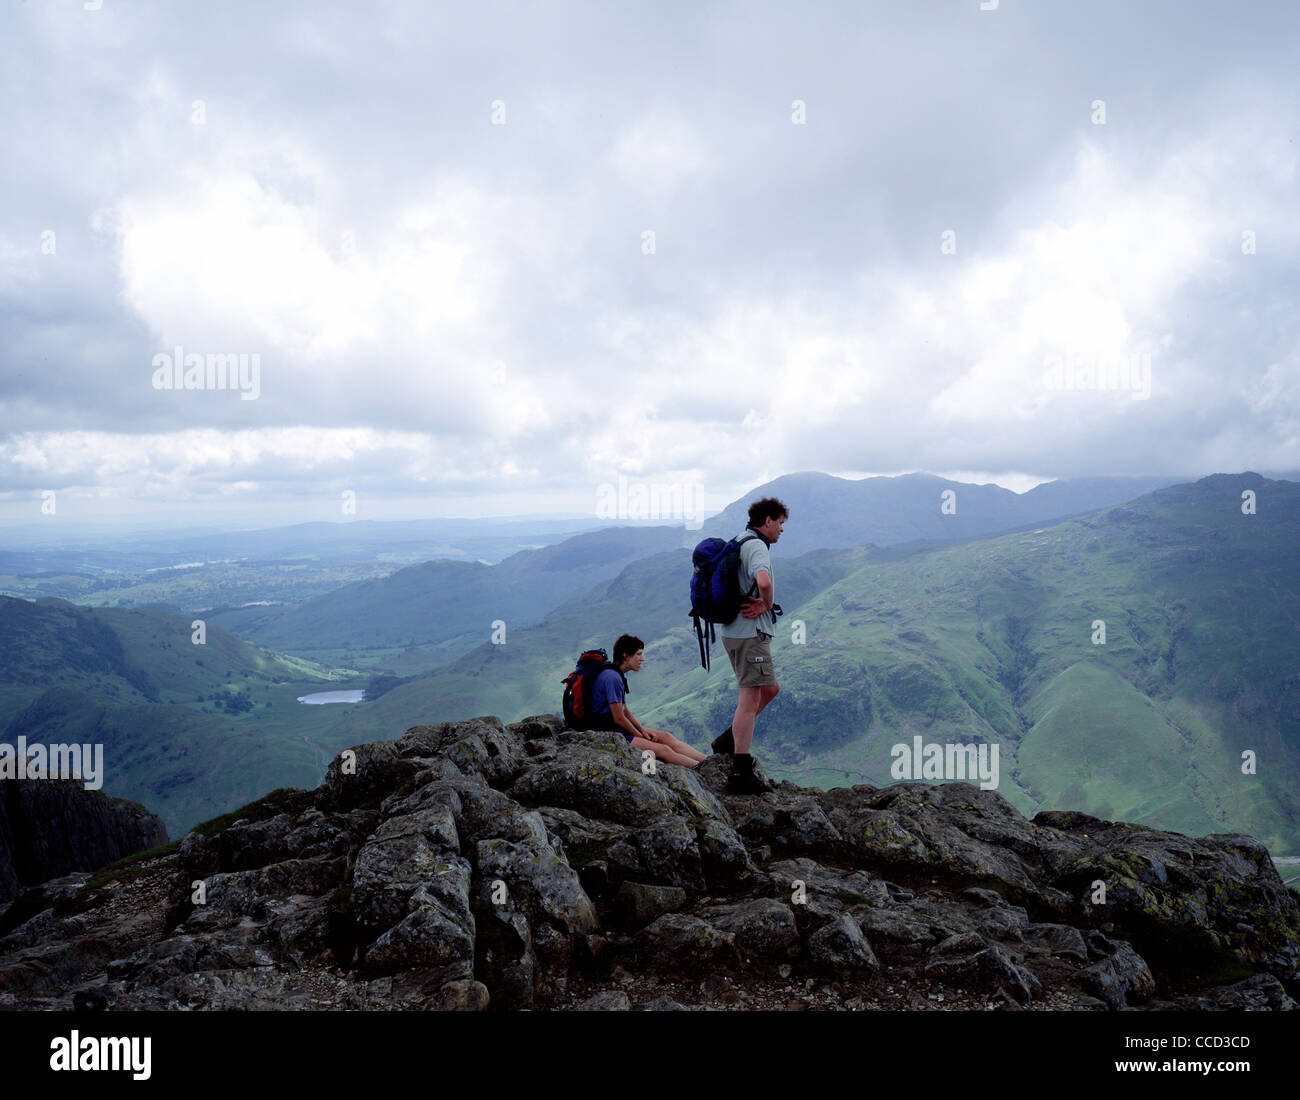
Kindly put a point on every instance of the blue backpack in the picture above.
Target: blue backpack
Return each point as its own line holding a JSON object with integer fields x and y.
{"x": 715, "y": 588}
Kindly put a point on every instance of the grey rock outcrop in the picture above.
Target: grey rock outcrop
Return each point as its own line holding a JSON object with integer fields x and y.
{"x": 473, "y": 865}
{"x": 50, "y": 827}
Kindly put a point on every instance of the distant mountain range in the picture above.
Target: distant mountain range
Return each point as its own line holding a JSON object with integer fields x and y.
{"x": 420, "y": 616}
{"x": 832, "y": 512}
{"x": 45, "y": 547}
{"x": 427, "y": 614}
{"x": 986, "y": 640}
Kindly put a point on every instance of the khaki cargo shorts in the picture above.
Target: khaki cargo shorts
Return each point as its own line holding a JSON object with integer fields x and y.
{"x": 751, "y": 660}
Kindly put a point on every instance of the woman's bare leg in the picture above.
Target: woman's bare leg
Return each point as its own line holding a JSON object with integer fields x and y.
{"x": 685, "y": 749}
{"x": 663, "y": 752}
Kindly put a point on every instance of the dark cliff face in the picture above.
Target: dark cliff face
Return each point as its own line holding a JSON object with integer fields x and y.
{"x": 474, "y": 865}
{"x": 49, "y": 827}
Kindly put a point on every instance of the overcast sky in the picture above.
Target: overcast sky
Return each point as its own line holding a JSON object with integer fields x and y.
{"x": 491, "y": 256}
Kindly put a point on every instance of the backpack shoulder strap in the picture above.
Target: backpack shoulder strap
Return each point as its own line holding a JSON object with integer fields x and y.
{"x": 741, "y": 542}
{"x": 611, "y": 664}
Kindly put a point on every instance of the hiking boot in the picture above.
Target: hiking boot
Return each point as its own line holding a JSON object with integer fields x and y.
{"x": 743, "y": 780}
{"x": 724, "y": 743}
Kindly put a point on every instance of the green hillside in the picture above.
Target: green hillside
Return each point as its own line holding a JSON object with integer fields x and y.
{"x": 987, "y": 641}
{"x": 1098, "y": 742}
{"x": 189, "y": 730}
{"x": 182, "y": 763}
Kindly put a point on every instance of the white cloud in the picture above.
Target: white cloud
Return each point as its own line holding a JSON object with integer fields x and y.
{"x": 659, "y": 152}
{"x": 401, "y": 313}
{"x": 1110, "y": 279}
{"x": 227, "y": 259}
{"x": 797, "y": 316}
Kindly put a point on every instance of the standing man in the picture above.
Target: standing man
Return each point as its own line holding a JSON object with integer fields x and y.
{"x": 747, "y": 639}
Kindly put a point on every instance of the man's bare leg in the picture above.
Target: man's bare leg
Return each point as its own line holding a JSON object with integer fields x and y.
{"x": 752, "y": 701}
{"x": 742, "y": 725}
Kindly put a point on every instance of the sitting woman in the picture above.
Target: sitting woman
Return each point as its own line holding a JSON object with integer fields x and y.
{"x": 609, "y": 709}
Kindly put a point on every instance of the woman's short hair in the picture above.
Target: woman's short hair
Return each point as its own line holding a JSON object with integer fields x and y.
{"x": 626, "y": 646}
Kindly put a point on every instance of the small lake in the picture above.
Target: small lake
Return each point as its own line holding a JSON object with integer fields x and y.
{"x": 333, "y": 697}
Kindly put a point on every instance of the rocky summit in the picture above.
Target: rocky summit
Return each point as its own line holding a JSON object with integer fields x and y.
{"x": 472, "y": 865}
{"x": 51, "y": 827}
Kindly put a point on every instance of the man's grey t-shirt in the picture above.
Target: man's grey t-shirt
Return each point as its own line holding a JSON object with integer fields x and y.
{"x": 754, "y": 557}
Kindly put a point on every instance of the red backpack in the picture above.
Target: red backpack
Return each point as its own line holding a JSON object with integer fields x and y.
{"x": 578, "y": 686}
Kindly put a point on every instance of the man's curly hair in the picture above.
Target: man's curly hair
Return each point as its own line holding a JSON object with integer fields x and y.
{"x": 767, "y": 508}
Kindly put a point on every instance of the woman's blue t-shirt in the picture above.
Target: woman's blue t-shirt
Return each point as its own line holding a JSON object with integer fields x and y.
{"x": 607, "y": 689}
